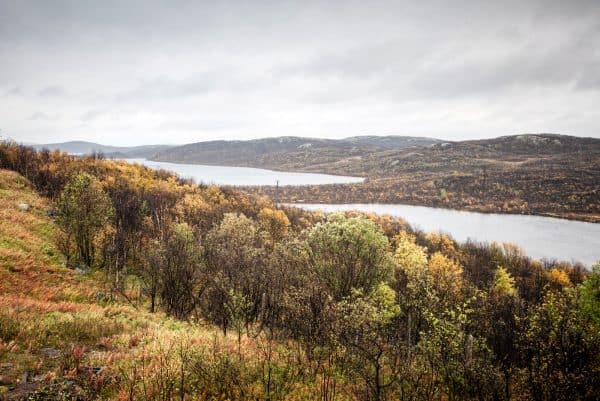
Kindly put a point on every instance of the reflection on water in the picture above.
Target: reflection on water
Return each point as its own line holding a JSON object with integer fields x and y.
{"x": 540, "y": 237}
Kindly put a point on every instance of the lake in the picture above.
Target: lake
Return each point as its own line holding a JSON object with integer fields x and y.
{"x": 540, "y": 237}
{"x": 236, "y": 176}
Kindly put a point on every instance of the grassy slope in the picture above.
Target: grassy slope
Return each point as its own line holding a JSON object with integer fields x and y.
{"x": 28, "y": 256}
{"x": 45, "y": 305}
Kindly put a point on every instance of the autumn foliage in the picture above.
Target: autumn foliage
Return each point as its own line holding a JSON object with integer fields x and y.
{"x": 180, "y": 291}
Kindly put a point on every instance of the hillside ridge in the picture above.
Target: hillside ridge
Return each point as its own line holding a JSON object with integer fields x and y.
{"x": 286, "y": 152}
{"x": 86, "y": 148}
{"x": 543, "y": 174}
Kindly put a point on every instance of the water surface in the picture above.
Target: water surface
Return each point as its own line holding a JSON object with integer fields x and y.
{"x": 540, "y": 237}
{"x": 223, "y": 175}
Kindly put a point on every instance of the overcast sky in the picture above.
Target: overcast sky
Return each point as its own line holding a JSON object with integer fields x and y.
{"x": 141, "y": 72}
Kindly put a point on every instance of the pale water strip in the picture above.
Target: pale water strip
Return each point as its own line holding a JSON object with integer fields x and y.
{"x": 237, "y": 176}
{"x": 540, "y": 237}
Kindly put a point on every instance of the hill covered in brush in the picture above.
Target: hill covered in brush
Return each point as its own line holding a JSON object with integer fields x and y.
{"x": 553, "y": 175}
{"x": 287, "y": 152}
{"x": 88, "y": 148}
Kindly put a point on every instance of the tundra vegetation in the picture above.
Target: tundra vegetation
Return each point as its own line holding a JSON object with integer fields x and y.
{"x": 124, "y": 283}
{"x": 543, "y": 174}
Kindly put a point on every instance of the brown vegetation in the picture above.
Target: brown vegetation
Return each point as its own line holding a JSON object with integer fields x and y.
{"x": 196, "y": 292}
{"x": 544, "y": 174}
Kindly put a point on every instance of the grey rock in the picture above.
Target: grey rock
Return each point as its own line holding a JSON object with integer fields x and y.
{"x": 24, "y": 206}
{"x": 94, "y": 370}
{"x": 38, "y": 378}
{"x": 51, "y": 353}
{"x": 82, "y": 270}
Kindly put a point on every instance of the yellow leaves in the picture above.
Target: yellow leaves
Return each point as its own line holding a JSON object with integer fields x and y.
{"x": 409, "y": 256}
{"x": 109, "y": 181}
{"x": 385, "y": 299}
{"x": 214, "y": 195}
{"x": 192, "y": 208}
{"x": 442, "y": 243}
{"x": 192, "y": 201}
{"x": 404, "y": 237}
{"x": 559, "y": 278}
{"x": 105, "y": 235}
{"x": 447, "y": 275}
{"x": 504, "y": 284}
{"x": 275, "y": 222}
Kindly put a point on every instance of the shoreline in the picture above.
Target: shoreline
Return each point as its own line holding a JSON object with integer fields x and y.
{"x": 592, "y": 220}
{"x": 376, "y": 196}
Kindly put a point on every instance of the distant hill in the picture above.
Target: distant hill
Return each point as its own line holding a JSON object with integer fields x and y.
{"x": 505, "y": 151}
{"x": 392, "y": 141}
{"x": 533, "y": 144}
{"x": 549, "y": 174}
{"x": 379, "y": 155}
{"x": 288, "y": 152}
{"x": 83, "y": 147}
{"x": 370, "y": 156}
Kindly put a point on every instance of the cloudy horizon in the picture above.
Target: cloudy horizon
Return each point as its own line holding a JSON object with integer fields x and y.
{"x": 145, "y": 72}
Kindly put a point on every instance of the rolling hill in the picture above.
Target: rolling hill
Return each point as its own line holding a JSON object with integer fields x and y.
{"x": 83, "y": 147}
{"x": 392, "y": 141}
{"x": 287, "y": 153}
{"x": 546, "y": 174}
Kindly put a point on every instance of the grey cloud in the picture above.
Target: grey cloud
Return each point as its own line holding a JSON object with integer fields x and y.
{"x": 176, "y": 88}
{"x": 91, "y": 115}
{"x": 41, "y": 116}
{"x": 38, "y": 115}
{"x": 14, "y": 91}
{"x": 526, "y": 68}
{"x": 449, "y": 68}
{"x": 138, "y": 69}
{"x": 51, "y": 91}
{"x": 198, "y": 125}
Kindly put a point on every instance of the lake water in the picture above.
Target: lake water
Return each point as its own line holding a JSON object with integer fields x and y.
{"x": 540, "y": 237}
{"x": 222, "y": 175}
